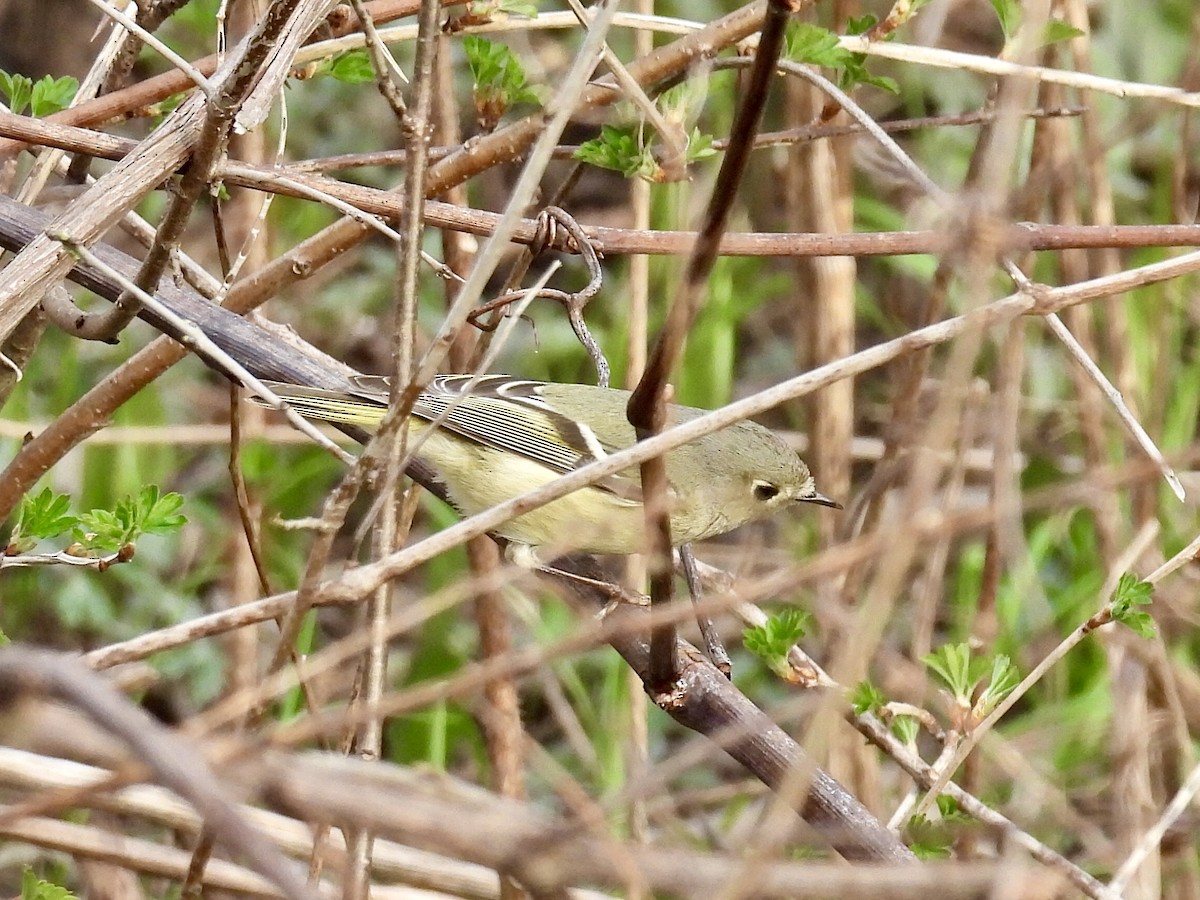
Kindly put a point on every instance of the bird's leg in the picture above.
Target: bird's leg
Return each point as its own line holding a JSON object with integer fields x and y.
{"x": 712, "y": 640}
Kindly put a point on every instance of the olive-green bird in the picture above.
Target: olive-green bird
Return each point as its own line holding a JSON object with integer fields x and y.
{"x": 501, "y": 437}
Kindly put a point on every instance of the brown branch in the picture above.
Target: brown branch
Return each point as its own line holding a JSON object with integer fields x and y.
{"x": 508, "y": 143}
{"x": 45, "y": 262}
{"x": 27, "y": 673}
{"x": 551, "y": 853}
{"x": 18, "y": 226}
{"x": 127, "y": 101}
{"x": 1015, "y": 238}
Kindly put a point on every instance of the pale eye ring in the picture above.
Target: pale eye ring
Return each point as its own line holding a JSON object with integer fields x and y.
{"x": 764, "y": 491}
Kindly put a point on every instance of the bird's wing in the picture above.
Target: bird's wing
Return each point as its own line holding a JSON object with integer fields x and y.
{"x": 511, "y": 415}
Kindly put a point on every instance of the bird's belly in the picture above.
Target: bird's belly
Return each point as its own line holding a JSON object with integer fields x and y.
{"x": 587, "y": 520}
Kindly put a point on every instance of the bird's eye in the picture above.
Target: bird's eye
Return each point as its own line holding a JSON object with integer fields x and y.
{"x": 764, "y": 491}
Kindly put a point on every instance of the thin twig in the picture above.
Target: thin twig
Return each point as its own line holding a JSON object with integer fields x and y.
{"x": 193, "y": 75}
{"x": 1153, "y": 837}
{"x": 66, "y": 558}
{"x": 990, "y": 65}
{"x": 573, "y": 302}
{"x": 382, "y": 62}
{"x": 1124, "y": 413}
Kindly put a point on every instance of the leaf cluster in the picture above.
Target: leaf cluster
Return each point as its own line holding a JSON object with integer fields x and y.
{"x": 351, "y": 67}
{"x": 35, "y": 888}
{"x": 624, "y": 149}
{"x": 1011, "y": 16}
{"x": 933, "y": 838}
{"x": 976, "y": 683}
{"x": 817, "y": 46}
{"x": 48, "y": 515}
{"x": 499, "y": 79}
{"x": 42, "y": 97}
{"x": 1129, "y": 596}
{"x": 774, "y": 639}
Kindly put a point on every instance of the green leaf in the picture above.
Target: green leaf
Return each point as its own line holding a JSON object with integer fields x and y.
{"x": 100, "y": 530}
{"x": 952, "y": 663}
{"x": 17, "y": 90}
{"x": 1057, "y": 30}
{"x": 805, "y": 43}
{"x": 1129, "y": 596}
{"x": 933, "y": 838}
{"x": 159, "y": 515}
{"x": 774, "y": 639}
{"x": 621, "y": 150}
{"x": 43, "y": 515}
{"x": 949, "y": 809}
{"x": 964, "y": 674}
{"x": 867, "y": 698}
{"x": 928, "y": 839}
{"x": 1001, "y": 681}
{"x": 499, "y": 77}
{"x": 855, "y": 72}
{"x": 700, "y": 146}
{"x": 106, "y": 531}
{"x": 883, "y": 82}
{"x": 813, "y": 45}
{"x": 1009, "y": 14}
{"x": 906, "y": 728}
{"x": 351, "y": 67}
{"x": 49, "y": 95}
{"x": 860, "y": 24}
{"x": 34, "y": 888}
{"x": 682, "y": 103}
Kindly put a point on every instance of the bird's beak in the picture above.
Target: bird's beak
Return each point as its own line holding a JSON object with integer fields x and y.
{"x": 821, "y": 500}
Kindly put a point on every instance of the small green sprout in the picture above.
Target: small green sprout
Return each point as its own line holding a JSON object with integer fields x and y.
{"x": 103, "y": 530}
{"x": 351, "y": 67}
{"x": 866, "y": 698}
{"x": 34, "y": 888}
{"x": 976, "y": 685}
{"x": 500, "y": 81}
{"x": 774, "y": 639}
{"x": 816, "y": 46}
{"x": 43, "y": 515}
{"x": 43, "y": 97}
{"x": 1128, "y": 598}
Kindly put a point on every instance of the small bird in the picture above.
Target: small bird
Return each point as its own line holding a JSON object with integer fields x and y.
{"x": 497, "y": 437}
